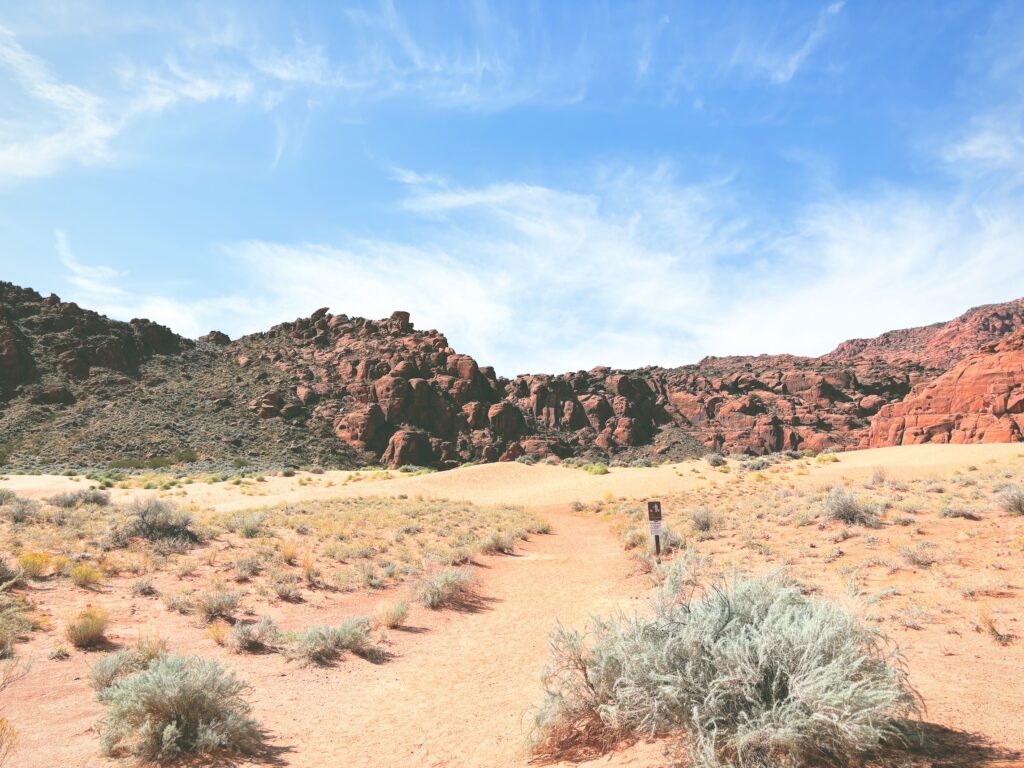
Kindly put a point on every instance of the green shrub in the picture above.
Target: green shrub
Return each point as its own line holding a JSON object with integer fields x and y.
{"x": 446, "y": 587}
{"x": 1011, "y": 501}
{"x": 597, "y": 468}
{"x": 750, "y": 673}
{"x": 846, "y": 508}
{"x": 178, "y": 705}
{"x": 323, "y": 645}
{"x": 86, "y": 629}
{"x": 257, "y": 636}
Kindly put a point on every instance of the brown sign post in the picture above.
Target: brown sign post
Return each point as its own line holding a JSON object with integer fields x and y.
{"x": 654, "y": 518}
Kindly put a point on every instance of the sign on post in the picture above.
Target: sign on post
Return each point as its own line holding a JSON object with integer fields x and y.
{"x": 654, "y": 518}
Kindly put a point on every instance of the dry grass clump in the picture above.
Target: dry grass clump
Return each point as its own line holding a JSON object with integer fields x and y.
{"x": 392, "y": 615}
{"x": 86, "y": 629}
{"x": 847, "y": 508}
{"x": 324, "y": 645}
{"x": 702, "y": 519}
{"x": 178, "y": 705}
{"x": 446, "y": 587}
{"x": 21, "y": 511}
{"x": 751, "y": 673}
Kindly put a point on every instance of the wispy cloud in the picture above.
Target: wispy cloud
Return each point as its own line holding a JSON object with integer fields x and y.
{"x": 781, "y": 62}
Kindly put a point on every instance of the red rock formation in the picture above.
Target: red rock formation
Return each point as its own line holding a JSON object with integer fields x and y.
{"x": 979, "y": 400}
{"x": 338, "y": 389}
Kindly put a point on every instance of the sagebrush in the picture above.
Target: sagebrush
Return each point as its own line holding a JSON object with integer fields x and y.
{"x": 748, "y": 672}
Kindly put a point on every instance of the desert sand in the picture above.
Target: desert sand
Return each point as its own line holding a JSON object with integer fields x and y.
{"x": 459, "y": 686}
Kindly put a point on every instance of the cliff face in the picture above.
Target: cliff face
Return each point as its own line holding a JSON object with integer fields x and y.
{"x": 76, "y": 387}
{"x": 979, "y": 400}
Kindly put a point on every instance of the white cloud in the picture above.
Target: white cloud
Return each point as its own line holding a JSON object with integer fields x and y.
{"x": 641, "y": 270}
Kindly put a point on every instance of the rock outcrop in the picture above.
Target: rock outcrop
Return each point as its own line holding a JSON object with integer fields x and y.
{"x": 979, "y": 400}
{"x": 76, "y": 387}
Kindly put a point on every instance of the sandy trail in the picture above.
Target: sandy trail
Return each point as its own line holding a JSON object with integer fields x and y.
{"x": 460, "y": 694}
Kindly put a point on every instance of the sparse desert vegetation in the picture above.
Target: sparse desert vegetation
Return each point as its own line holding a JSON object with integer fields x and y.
{"x": 832, "y": 556}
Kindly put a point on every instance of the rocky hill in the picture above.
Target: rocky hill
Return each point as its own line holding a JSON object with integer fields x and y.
{"x": 77, "y": 388}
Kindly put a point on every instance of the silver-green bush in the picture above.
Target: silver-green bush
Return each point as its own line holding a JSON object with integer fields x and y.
{"x": 750, "y": 673}
{"x": 323, "y": 645}
{"x": 257, "y": 636}
{"x": 178, "y": 705}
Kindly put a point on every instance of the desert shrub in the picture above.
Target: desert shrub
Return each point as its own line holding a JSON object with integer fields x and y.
{"x": 847, "y": 508}
{"x": 217, "y": 603}
{"x": 144, "y": 588}
{"x": 392, "y": 615}
{"x": 7, "y": 496}
{"x": 113, "y": 667}
{"x": 716, "y": 460}
{"x": 256, "y": 636}
{"x": 85, "y": 630}
{"x": 702, "y": 519}
{"x": 964, "y": 514}
{"x": 73, "y": 499}
{"x": 444, "y": 588}
{"x": 249, "y": 526}
{"x": 527, "y": 459}
{"x": 34, "y": 564}
{"x": 597, "y": 468}
{"x": 247, "y": 567}
{"x": 759, "y": 463}
{"x": 286, "y": 586}
{"x": 921, "y": 555}
{"x": 323, "y": 645}
{"x": 22, "y": 510}
{"x": 13, "y": 623}
{"x": 178, "y": 705}
{"x": 156, "y": 521}
{"x": 1011, "y": 501}
{"x": 634, "y": 538}
{"x": 499, "y": 542}
{"x": 85, "y": 576}
{"x": 751, "y": 672}
{"x": 182, "y": 603}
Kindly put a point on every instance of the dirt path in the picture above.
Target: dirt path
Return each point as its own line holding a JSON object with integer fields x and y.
{"x": 459, "y": 694}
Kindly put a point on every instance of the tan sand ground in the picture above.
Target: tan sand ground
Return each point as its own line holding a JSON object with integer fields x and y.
{"x": 461, "y": 685}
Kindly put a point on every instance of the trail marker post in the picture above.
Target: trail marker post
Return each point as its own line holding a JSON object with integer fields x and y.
{"x": 654, "y": 518}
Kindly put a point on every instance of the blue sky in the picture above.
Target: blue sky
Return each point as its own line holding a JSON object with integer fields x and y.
{"x": 553, "y": 185}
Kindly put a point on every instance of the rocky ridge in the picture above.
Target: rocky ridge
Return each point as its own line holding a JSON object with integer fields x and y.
{"x": 78, "y": 388}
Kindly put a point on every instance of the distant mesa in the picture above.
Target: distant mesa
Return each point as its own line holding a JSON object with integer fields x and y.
{"x": 77, "y": 387}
